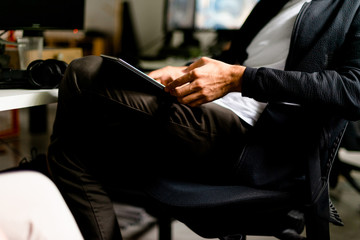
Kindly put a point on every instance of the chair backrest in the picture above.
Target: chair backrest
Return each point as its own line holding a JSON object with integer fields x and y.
{"x": 319, "y": 210}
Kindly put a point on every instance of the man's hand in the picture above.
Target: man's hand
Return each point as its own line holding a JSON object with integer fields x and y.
{"x": 204, "y": 81}
{"x": 167, "y": 74}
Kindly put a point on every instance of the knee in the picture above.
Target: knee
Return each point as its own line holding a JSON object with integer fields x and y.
{"x": 82, "y": 72}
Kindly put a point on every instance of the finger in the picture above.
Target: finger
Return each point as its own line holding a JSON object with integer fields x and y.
{"x": 166, "y": 81}
{"x": 197, "y": 103}
{"x": 155, "y": 74}
{"x": 187, "y": 93}
{"x": 182, "y": 90}
{"x": 198, "y": 63}
{"x": 189, "y": 75}
{"x": 184, "y": 79}
{"x": 193, "y": 100}
{"x": 162, "y": 80}
{"x": 160, "y": 77}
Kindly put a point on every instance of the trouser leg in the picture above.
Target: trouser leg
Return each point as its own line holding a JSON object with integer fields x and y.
{"x": 122, "y": 133}
{"x": 83, "y": 192}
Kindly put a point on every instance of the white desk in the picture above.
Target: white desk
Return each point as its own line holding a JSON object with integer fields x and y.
{"x": 22, "y": 98}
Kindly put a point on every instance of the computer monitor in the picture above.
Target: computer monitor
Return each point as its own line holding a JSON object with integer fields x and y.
{"x": 190, "y": 16}
{"x": 40, "y": 15}
{"x": 210, "y": 15}
{"x": 221, "y": 14}
{"x": 179, "y": 15}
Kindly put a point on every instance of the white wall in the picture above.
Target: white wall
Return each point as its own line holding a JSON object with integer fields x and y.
{"x": 148, "y": 22}
{"x": 103, "y": 15}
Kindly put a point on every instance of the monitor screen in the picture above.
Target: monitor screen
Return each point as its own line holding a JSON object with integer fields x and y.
{"x": 222, "y": 14}
{"x": 206, "y": 14}
{"x": 41, "y": 14}
{"x": 179, "y": 15}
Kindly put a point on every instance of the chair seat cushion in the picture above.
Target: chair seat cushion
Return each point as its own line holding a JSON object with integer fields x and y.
{"x": 213, "y": 210}
{"x": 196, "y": 195}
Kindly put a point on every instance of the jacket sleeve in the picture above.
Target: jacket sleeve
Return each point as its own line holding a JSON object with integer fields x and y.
{"x": 335, "y": 89}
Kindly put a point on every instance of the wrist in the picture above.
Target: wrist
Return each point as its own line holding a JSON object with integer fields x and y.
{"x": 237, "y": 74}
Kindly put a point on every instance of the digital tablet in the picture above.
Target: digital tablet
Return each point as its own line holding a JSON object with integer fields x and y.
{"x": 133, "y": 69}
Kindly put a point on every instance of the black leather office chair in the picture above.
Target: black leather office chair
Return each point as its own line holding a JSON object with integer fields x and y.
{"x": 234, "y": 211}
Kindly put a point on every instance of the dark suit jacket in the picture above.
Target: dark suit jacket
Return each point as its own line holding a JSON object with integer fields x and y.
{"x": 322, "y": 73}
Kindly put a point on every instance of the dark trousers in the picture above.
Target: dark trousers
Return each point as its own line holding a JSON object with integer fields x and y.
{"x": 112, "y": 130}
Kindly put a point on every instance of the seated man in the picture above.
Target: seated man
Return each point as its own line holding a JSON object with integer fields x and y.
{"x": 113, "y": 131}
